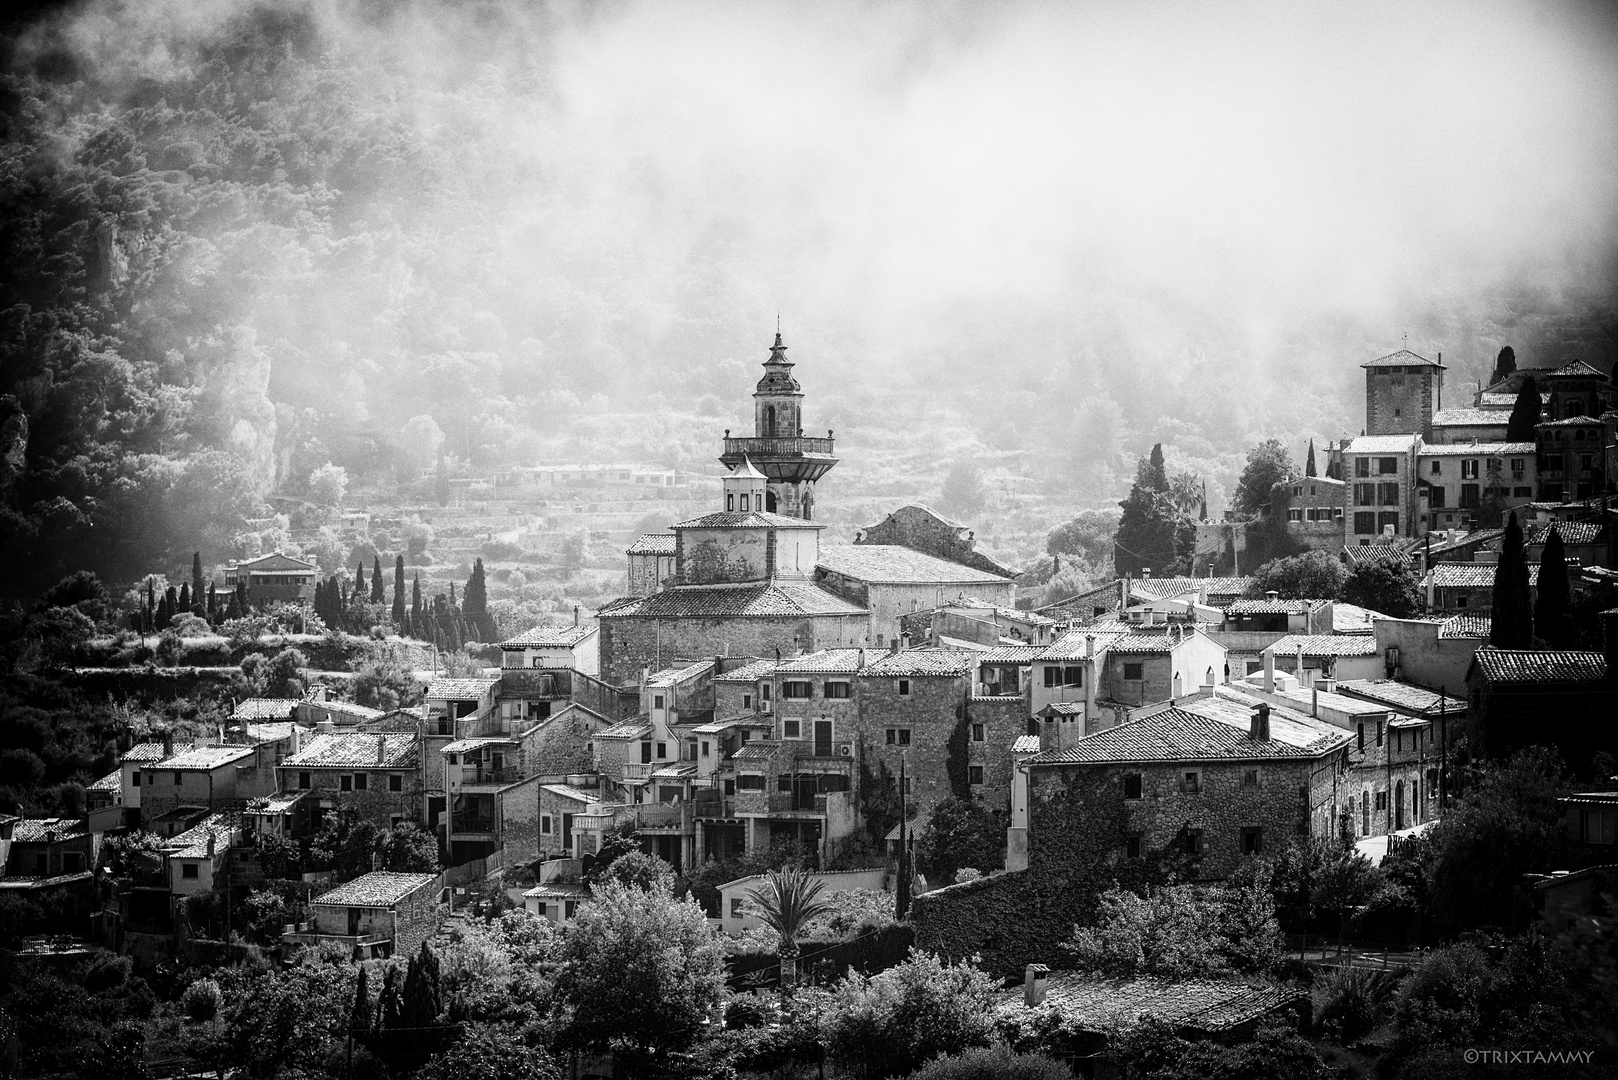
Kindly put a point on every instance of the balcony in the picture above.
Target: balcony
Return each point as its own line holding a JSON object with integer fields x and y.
{"x": 784, "y": 446}
{"x": 663, "y": 816}
{"x": 640, "y": 770}
{"x": 465, "y": 822}
{"x": 476, "y": 774}
{"x": 533, "y": 683}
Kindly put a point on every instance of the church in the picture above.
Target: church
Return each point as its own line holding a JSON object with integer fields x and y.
{"x": 751, "y": 577}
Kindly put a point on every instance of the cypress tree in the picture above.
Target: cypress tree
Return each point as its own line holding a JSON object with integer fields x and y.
{"x": 151, "y": 605}
{"x": 1157, "y": 474}
{"x": 441, "y": 479}
{"x": 1525, "y": 413}
{"x": 243, "y": 603}
{"x": 1512, "y": 619}
{"x": 213, "y": 602}
{"x": 166, "y": 608}
{"x": 196, "y": 582}
{"x": 1551, "y": 601}
{"x": 1309, "y": 463}
{"x": 398, "y": 589}
{"x": 415, "y": 597}
{"x": 1147, "y": 529}
{"x": 359, "y": 582}
{"x": 475, "y": 603}
{"x": 1504, "y": 364}
{"x": 376, "y": 580}
{"x": 185, "y": 599}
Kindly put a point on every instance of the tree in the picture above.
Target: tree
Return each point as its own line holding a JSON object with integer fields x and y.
{"x": 398, "y": 590}
{"x": 637, "y": 870}
{"x": 1180, "y": 932}
{"x": 963, "y": 489}
{"x": 490, "y": 1052}
{"x": 1512, "y": 617}
{"x": 407, "y": 848}
{"x": 1314, "y": 575}
{"x": 1524, "y": 412}
{"x": 196, "y": 583}
{"x": 1384, "y": 586}
{"x": 1551, "y": 600}
{"x": 441, "y": 480}
{"x": 1309, "y": 463}
{"x": 328, "y": 484}
{"x": 890, "y": 1023}
{"x": 788, "y": 899}
{"x": 1148, "y": 529}
{"x": 639, "y": 973}
{"x": 1268, "y": 464}
{"x": 960, "y": 833}
{"x": 376, "y": 580}
{"x": 1505, "y": 362}
{"x": 183, "y": 604}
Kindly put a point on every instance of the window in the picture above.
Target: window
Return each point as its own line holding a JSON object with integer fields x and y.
{"x": 1553, "y": 462}
{"x": 747, "y": 701}
{"x": 705, "y": 748}
{"x": 837, "y": 689}
{"x": 1379, "y": 733}
{"x": 1469, "y": 468}
{"x": 1297, "y": 515}
{"x": 784, "y": 782}
{"x": 977, "y": 732}
{"x": 1362, "y": 466}
{"x": 1388, "y": 519}
{"x": 361, "y": 780}
{"x": 1132, "y": 785}
{"x": 545, "y": 824}
{"x": 188, "y": 870}
{"x": 1438, "y": 468}
{"x": 736, "y": 907}
{"x": 395, "y": 820}
{"x": 1362, "y": 736}
{"x": 1193, "y": 842}
{"x": 749, "y": 782}
{"x": 906, "y": 785}
{"x": 177, "y": 779}
{"x": 1522, "y": 493}
{"x": 1364, "y": 494}
{"x": 345, "y": 782}
{"x": 1387, "y": 494}
{"x": 791, "y": 729}
{"x": 974, "y": 774}
{"x": 1365, "y": 522}
{"x": 662, "y": 751}
{"x": 645, "y": 753}
{"x": 1435, "y": 496}
{"x": 569, "y": 908}
{"x": 1191, "y": 782}
{"x": 730, "y": 501}
{"x": 1470, "y": 496}
{"x": 1382, "y": 800}
{"x": 395, "y": 782}
{"x": 657, "y": 701}
{"x": 744, "y": 502}
{"x": 303, "y": 781}
{"x": 904, "y": 687}
{"x": 898, "y": 736}
{"x": 1387, "y": 466}
{"x": 1249, "y": 778}
{"x": 796, "y": 690}
{"x": 1252, "y": 840}
{"x": 1586, "y": 462}
{"x": 1132, "y": 846}
{"x": 1595, "y": 826}
{"x": 1133, "y": 671}
{"x": 1517, "y": 465}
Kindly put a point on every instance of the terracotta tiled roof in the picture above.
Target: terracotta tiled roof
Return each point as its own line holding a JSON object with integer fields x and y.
{"x": 1572, "y": 532}
{"x": 1026, "y": 615}
{"x": 1179, "y": 735}
{"x": 752, "y": 519}
{"x": 1107, "y": 1006}
{"x": 568, "y": 791}
{"x": 652, "y": 544}
{"x": 193, "y": 843}
{"x": 1272, "y": 607}
{"x": 379, "y": 888}
{"x": 278, "y": 803}
{"x": 892, "y": 563}
{"x": 1466, "y": 416}
{"x": 828, "y": 661}
{"x": 459, "y": 689}
{"x": 1545, "y": 666}
{"x": 1402, "y": 358}
{"x": 1143, "y": 641}
{"x": 357, "y": 749}
{"x": 258, "y": 708}
{"x": 768, "y": 600}
{"x": 153, "y": 751}
{"x": 747, "y": 673}
{"x": 630, "y": 729}
{"x": 1380, "y": 444}
{"x": 921, "y": 662}
{"x": 1471, "y": 575}
{"x": 1025, "y": 744}
{"x": 1476, "y": 536}
{"x": 113, "y": 781}
{"x": 1466, "y": 626}
{"x": 1571, "y": 421}
{"x": 757, "y": 750}
{"x": 266, "y": 564}
{"x": 1504, "y": 401}
{"x": 1352, "y": 619}
{"x": 206, "y": 757}
{"x": 549, "y": 637}
{"x": 1401, "y": 695}
{"x": 1488, "y": 449}
{"x": 1010, "y": 654}
{"x": 1325, "y": 645}
{"x": 1577, "y": 369}
{"x": 1358, "y": 554}
{"x": 1071, "y": 645}
{"x": 669, "y": 676}
{"x": 1217, "y": 588}
{"x": 38, "y": 830}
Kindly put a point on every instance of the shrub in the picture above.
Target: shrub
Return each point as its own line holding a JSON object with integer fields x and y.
{"x": 892, "y": 1022}
{"x": 1351, "y": 1002}
{"x": 202, "y": 999}
{"x": 997, "y": 1062}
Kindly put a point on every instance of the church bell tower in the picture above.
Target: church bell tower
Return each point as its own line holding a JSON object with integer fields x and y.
{"x": 790, "y": 461}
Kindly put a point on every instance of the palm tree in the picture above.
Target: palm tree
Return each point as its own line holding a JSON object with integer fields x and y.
{"x": 788, "y": 899}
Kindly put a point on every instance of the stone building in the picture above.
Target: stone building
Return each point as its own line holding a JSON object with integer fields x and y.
{"x": 376, "y": 915}
{"x": 551, "y": 648}
{"x": 923, "y": 529}
{"x": 215, "y": 777}
{"x": 1381, "y": 473}
{"x": 891, "y": 581}
{"x": 1455, "y": 483}
{"x": 1402, "y": 392}
{"x": 1572, "y": 458}
{"x": 913, "y": 705}
{"x": 651, "y": 564}
{"x": 274, "y": 579}
{"x": 375, "y": 777}
{"x": 1507, "y": 691}
{"x": 1314, "y": 507}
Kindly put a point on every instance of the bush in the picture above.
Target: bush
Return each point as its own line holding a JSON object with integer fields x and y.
{"x": 997, "y": 1062}
{"x": 1350, "y": 1002}
{"x": 892, "y": 1022}
{"x": 202, "y": 1000}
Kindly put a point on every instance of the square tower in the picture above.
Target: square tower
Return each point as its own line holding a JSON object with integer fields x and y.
{"x": 1402, "y": 391}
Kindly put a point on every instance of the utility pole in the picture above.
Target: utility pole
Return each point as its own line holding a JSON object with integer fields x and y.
{"x": 902, "y": 891}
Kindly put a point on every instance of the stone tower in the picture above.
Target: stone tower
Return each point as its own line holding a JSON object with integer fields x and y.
{"x": 789, "y": 461}
{"x": 1402, "y": 391}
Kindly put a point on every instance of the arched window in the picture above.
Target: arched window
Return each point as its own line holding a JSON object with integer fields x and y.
{"x": 730, "y": 500}
{"x": 744, "y": 502}
{"x": 769, "y": 501}
{"x": 1575, "y": 408}
{"x": 769, "y": 421}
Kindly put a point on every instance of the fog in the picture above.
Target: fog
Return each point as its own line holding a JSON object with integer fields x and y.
{"x": 1059, "y": 232}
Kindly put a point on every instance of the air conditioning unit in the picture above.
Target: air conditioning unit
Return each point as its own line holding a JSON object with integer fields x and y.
{"x": 845, "y": 749}
{"x": 766, "y": 706}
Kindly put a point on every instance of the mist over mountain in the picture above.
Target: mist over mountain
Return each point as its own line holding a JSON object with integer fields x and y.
{"x": 239, "y": 241}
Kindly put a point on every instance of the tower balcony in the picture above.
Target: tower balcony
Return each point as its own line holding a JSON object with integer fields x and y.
{"x": 782, "y": 458}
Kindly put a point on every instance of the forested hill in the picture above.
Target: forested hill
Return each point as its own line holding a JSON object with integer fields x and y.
{"x": 238, "y": 242}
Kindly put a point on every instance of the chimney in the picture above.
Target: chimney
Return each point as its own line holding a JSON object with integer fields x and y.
{"x": 381, "y": 749}
{"x": 211, "y": 839}
{"x": 1033, "y": 984}
{"x": 1300, "y": 665}
{"x": 1146, "y": 573}
{"x": 1269, "y": 671}
{"x": 1089, "y": 646}
{"x": 1272, "y": 595}
{"x": 893, "y": 647}
{"x": 1259, "y": 731}
{"x": 575, "y": 614}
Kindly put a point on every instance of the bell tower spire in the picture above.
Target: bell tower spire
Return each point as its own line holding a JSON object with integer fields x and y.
{"x": 778, "y": 449}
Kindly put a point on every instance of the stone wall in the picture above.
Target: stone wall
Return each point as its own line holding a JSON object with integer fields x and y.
{"x": 560, "y": 745}
{"x": 1413, "y": 397}
{"x": 931, "y": 711}
{"x": 519, "y": 811}
{"x": 922, "y": 529}
{"x": 375, "y": 804}
{"x": 715, "y": 556}
{"x": 629, "y": 643}
{"x": 1004, "y": 719}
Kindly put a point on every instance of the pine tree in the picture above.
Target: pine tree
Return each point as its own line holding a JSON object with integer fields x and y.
{"x": 196, "y": 583}
{"x": 1551, "y": 601}
{"x": 398, "y": 589}
{"x": 1512, "y": 619}
{"x": 1309, "y": 463}
{"x": 441, "y": 479}
{"x": 376, "y": 580}
{"x": 1504, "y": 364}
{"x": 1525, "y": 413}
